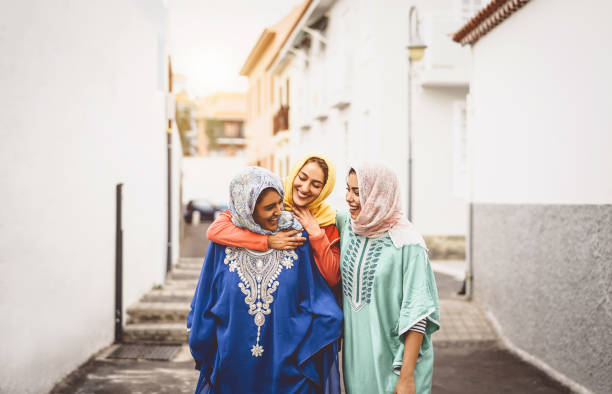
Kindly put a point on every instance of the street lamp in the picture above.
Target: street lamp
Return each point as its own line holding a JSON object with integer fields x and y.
{"x": 416, "y": 51}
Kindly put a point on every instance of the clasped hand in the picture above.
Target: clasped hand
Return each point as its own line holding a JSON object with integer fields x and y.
{"x": 308, "y": 221}
{"x": 285, "y": 240}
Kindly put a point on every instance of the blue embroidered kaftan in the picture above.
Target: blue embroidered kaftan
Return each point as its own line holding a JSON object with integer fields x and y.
{"x": 264, "y": 322}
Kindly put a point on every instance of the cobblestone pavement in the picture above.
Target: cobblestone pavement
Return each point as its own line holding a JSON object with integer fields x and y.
{"x": 461, "y": 320}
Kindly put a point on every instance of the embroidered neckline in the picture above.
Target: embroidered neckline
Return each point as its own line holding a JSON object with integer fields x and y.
{"x": 359, "y": 264}
{"x": 258, "y": 273}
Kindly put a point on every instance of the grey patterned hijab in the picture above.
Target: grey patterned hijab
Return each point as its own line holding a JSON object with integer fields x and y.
{"x": 245, "y": 188}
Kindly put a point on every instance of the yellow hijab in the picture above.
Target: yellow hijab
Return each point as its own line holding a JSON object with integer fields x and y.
{"x": 321, "y": 210}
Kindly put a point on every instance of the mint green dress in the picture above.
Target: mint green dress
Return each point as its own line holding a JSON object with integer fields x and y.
{"x": 386, "y": 291}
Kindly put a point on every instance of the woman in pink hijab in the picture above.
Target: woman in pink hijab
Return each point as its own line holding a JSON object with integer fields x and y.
{"x": 390, "y": 297}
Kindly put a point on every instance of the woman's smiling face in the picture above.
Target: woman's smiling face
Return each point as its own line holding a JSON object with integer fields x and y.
{"x": 308, "y": 184}
{"x": 352, "y": 195}
{"x": 268, "y": 209}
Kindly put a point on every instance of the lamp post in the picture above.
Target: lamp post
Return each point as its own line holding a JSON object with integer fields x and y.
{"x": 416, "y": 51}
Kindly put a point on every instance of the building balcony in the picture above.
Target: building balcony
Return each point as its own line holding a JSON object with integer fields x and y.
{"x": 281, "y": 119}
{"x": 445, "y": 64}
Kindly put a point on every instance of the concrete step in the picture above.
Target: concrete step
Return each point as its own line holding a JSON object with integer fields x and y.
{"x": 168, "y": 295}
{"x": 180, "y": 274}
{"x": 189, "y": 266}
{"x": 180, "y": 284}
{"x": 160, "y": 312}
{"x": 191, "y": 260}
{"x": 158, "y": 333}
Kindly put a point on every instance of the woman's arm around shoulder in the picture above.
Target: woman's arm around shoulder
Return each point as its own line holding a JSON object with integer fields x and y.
{"x": 224, "y": 232}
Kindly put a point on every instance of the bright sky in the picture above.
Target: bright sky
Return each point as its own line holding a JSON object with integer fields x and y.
{"x": 209, "y": 40}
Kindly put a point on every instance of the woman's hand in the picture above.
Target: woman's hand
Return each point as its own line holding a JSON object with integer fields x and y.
{"x": 285, "y": 240}
{"x": 308, "y": 221}
{"x": 405, "y": 385}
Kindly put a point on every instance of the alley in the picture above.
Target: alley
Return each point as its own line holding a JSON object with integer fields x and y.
{"x": 468, "y": 355}
{"x": 486, "y": 121}
{"x": 105, "y": 375}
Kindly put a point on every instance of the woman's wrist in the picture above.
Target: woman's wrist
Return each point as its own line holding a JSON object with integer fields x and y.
{"x": 407, "y": 376}
{"x": 314, "y": 231}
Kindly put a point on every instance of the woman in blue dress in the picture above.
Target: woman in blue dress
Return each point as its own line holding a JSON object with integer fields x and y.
{"x": 263, "y": 322}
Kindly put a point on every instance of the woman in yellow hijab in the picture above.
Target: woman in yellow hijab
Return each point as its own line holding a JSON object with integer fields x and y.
{"x": 310, "y": 182}
{"x": 308, "y": 185}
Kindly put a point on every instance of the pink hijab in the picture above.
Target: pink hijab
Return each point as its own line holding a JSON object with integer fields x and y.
{"x": 381, "y": 207}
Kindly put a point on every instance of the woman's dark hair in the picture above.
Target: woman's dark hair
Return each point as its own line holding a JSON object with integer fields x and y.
{"x": 352, "y": 171}
{"x": 321, "y": 164}
{"x": 264, "y": 191}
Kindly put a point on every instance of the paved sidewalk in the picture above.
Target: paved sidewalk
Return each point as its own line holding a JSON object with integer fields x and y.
{"x": 468, "y": 355}
{"x": 463, "y": 322}
{"x": 111, "y": 376}
{"x": 468, "y": 358}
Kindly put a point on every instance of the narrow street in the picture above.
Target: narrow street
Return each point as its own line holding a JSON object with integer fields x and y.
{"x": 468, "y": 355}
{"x": 162, "y": 312}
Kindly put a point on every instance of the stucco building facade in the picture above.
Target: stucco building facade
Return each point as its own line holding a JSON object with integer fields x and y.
{"x": 262, "y": 91}
{"x": 85, "y": 107}
{"x": 540, "y": 193}
{"x": 219, "y": 121}
{"x": 346, "y": 64}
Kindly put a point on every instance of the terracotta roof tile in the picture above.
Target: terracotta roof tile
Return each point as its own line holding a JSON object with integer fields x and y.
{"x": 486, "y": 19}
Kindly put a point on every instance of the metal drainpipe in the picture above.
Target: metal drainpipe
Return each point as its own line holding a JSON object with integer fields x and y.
{"x": 469, "y": 275}
{"x": 409, "y": 191}
{"x": 118, "y": 264}
{"x": 169, "y": 166}
{"x": 169, "y": 219}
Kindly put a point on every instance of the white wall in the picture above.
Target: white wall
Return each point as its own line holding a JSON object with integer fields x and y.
{"x": 539, "y": 126}
{"x": 366, "y": 69}
{"x": 209, "y": 177}
{"x": 82, "y": 109}
{"x": 551, "y": 143}
{"x": 437, "y": 208}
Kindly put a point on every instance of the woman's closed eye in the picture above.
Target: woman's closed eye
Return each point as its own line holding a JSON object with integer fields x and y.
{"x": 314, "y": 183}
{"x": 273, "y": 206}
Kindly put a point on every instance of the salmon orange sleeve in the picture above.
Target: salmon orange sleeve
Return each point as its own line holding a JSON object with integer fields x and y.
{"x": 224, "y": 232}
{"x": 326, "y": 251}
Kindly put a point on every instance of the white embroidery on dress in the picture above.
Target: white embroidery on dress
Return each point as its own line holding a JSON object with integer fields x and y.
{"x": 258, "y": 273}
